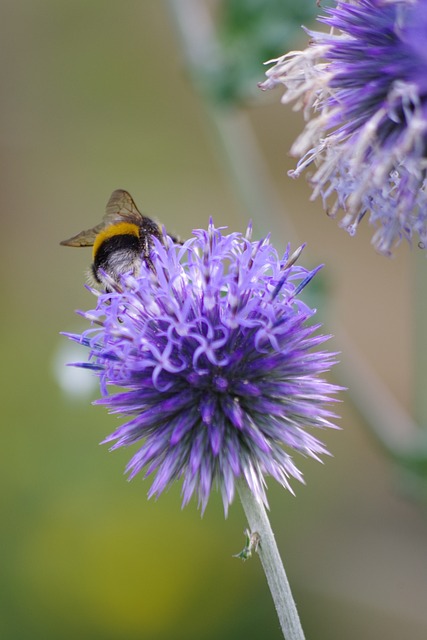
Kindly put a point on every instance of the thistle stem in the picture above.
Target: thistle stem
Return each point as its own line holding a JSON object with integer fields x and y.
{"x": 271, "y": 562}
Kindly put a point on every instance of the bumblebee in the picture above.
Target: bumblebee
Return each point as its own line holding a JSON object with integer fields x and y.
{"x": 121, "y": 242}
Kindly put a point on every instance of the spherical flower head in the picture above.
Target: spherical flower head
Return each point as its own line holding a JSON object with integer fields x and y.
{"x": 363, "y": 87}
{"x": 219, "y": 364}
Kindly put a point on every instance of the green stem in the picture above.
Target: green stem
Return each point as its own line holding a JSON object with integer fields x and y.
{"x": 272, "y": 563}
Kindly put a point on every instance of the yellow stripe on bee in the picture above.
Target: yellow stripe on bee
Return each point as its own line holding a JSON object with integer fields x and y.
{"x": 119, "y": 229}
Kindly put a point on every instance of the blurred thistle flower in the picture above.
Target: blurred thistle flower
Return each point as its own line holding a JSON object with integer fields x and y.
{"x": 214, "y": 351}
{"x": 366, "y": 82}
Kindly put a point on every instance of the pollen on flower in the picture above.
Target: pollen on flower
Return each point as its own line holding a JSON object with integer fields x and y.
{"x": 362, "y": 89}
{"x": 219, "y": 364}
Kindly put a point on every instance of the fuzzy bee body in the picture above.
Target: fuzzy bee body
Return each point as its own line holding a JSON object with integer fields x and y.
{"x": 120, "y": 242}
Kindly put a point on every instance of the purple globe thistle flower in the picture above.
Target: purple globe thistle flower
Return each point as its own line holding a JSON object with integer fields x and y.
{"x": 365, "y": 82}
{"x": 214, "y": 353}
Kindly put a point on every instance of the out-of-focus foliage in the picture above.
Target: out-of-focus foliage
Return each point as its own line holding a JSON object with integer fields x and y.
{"x": 251, "y": 32}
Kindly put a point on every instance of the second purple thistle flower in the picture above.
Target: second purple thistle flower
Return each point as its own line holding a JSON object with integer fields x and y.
{"x": 219, "y": 364}
{"x": 363, "y": 88}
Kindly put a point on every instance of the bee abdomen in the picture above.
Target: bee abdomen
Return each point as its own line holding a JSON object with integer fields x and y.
{"x": 117, "y": 255}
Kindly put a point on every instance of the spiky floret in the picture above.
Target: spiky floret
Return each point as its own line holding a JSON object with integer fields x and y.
{"x": 219, "y": 364}
{"x": 363, "y": 88}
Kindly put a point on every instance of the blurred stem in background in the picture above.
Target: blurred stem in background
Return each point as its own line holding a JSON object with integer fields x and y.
{"x": 216, "y": 78}
{"x": 246, "y": 166}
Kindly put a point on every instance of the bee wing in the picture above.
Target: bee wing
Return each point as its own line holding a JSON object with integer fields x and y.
{"x": 84, "y": 238}
{"x": 119, "y": 207}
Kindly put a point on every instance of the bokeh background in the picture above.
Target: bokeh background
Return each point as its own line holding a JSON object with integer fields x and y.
{"x": 96, "y": 96}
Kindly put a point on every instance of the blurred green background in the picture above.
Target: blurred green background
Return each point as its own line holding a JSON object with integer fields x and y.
{"x": 96, "y": 96}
